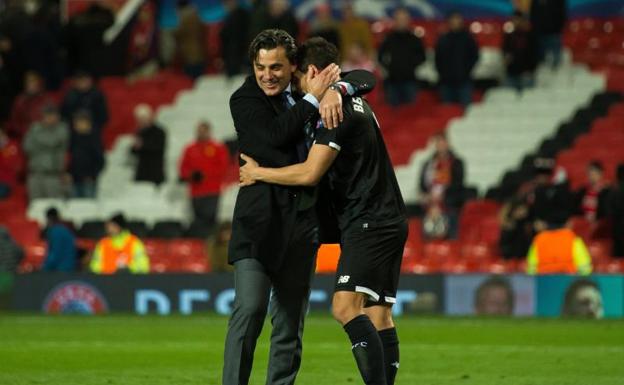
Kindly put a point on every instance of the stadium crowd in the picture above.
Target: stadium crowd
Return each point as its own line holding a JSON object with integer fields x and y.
{"x": 53, "y": 114}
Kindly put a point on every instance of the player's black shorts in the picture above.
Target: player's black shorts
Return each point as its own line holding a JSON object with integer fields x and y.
{"x": 370, "y": 261}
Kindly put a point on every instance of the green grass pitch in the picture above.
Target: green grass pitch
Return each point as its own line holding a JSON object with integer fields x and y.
{"x": 130, "y": 350}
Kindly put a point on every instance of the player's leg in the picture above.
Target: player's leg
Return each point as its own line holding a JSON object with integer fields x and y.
{"x": 289, "y": 303}
{"x": 392, "y": 240}
{"x": 381, "y": 316}
{"x": 252, "y": 285}
{"x": 348, "y": 309}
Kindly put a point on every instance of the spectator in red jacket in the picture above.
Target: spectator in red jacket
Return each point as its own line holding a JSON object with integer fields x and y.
{"x": 11, "y": 164}
{"x": 592, "y": 200}
{"x": 27, "y": 106}
{"x": 204, "y": 166}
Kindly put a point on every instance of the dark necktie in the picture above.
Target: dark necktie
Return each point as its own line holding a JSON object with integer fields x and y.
{"x": 308, "y": 129}
{"x": 307, "y": 197}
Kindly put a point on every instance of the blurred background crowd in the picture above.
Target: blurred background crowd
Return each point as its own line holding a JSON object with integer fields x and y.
{"x": 116, "y": 138}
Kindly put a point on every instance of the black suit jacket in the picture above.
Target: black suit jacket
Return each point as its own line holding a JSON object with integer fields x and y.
{"x": 264, "y": 214}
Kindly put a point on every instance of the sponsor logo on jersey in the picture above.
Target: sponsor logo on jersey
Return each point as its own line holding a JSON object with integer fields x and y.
{"x": 75, "y": 297}
{"x": 344, "y": 278}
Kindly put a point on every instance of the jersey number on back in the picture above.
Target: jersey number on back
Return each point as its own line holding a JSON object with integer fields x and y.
{"x": 358, "y": 104}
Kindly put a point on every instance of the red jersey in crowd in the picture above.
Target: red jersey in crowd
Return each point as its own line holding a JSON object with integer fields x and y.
{"x": 589, "y": 204}
{"x": 210, "y": 160}
{"x": 11, "y": 162}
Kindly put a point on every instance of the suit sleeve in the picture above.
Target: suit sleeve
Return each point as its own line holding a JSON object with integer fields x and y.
{"x": 362, "y": 81}
{"x": 258, "y": 126}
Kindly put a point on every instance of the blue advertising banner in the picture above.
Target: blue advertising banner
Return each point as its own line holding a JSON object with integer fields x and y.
{"x": 58, "y": 293}
{"x": 213, "y": 11}
{"x": 596, "y": 296}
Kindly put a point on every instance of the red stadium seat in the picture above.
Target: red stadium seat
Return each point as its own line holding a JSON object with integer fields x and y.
{"x": 600, "y": 250}
{"x": 441, "y": 250}
{"x": 415, "y": 231}
{"x": 24, "y": 232}
{"x": 608, "y": 266}
{"x": 581, "y": 227}
{"x": 479, "y": 251}
{"x": 34, "y": 255}
{"x": 617, "y": 110}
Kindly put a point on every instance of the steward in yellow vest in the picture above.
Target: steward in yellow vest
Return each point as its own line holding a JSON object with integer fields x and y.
{"x": 120, "y": 251}
{"x": 558, "y": 251}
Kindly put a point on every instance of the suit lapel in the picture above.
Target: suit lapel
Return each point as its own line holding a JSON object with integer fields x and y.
{"x": 277, "y": 103}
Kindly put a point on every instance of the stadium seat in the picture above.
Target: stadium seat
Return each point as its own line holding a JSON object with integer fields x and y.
{"x": 167, "y": 230}
{"x": 600, "y": 250}
{"x": 92, "y": 229}
{"x": 138, "y": 228}
{"x": 34, "y": 256}
{"x": 24, "y": 232}
{"x": 80, "y": 210}
{"x": 198, "y": 229}
{"x": 581, "y": 227}
{"x": 441, "y": 250}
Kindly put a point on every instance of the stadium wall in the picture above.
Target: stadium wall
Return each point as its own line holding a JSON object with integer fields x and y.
{"x": 455, "y": 295}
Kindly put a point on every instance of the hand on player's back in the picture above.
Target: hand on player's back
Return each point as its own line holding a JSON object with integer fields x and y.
{"x": 246, "y": 172}
{"x": 331, "y": 109}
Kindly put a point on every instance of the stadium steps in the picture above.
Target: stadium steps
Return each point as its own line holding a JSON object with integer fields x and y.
{"x": 495, "y": 135}
{"x": 564, "y": 137}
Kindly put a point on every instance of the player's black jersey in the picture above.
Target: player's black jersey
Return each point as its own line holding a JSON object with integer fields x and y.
{"x": 363, "y": 186}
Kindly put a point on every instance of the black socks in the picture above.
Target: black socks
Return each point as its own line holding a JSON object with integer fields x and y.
{"x": 367, "y": 349}
{"x": 390, "y": 343}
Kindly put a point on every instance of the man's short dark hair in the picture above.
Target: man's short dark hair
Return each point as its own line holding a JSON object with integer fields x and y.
{"x": 120, "y": 220}
{"x": 271, "y": 39}
{"x": 596, "y": 165}
{"x": 52, "y": 214}
{"x": 318, "y": 52}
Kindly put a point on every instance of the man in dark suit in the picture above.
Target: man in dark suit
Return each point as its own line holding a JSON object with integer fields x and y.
{"x": 274, "y": 228}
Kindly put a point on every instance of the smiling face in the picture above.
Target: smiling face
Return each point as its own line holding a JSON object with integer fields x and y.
{"x": 273, "y": 70}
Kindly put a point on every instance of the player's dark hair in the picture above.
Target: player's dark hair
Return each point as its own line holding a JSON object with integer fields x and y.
{"x": 570, "y": 294}
{"x": 271, "y": 39}
{"x": 318, "y": 52}
{"x": 494, "y": 281}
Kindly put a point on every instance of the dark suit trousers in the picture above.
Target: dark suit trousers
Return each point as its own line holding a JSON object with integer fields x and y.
{"x": 286, "y": 293}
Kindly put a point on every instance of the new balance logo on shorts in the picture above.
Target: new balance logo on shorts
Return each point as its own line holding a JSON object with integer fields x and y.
{"x": 344, "y": 278}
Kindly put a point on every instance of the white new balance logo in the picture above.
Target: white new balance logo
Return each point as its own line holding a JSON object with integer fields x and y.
{"x": 395, "y": 364}
{"x": 344, "y": 278}
{"x": 362, "y": 344}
